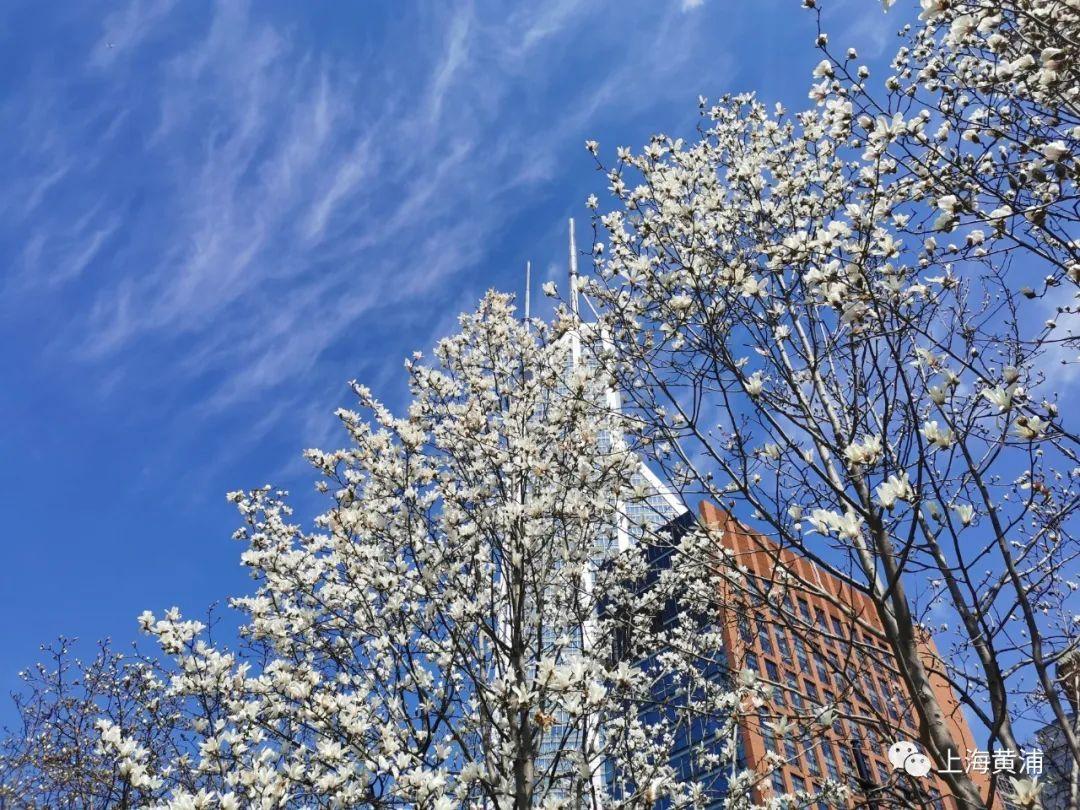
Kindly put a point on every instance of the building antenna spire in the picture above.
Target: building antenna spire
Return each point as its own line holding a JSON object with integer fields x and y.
{"x": 528, "y": 291}
{"x": 573, "y": 274}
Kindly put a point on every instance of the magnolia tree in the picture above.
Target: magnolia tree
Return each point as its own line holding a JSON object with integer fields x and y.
{"x": 57, "y": 757}
{"x": 855, "y": 326}
{"x": 468, "y": 624}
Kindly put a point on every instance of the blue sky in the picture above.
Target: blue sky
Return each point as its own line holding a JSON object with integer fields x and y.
{"x": 214, "y": 215}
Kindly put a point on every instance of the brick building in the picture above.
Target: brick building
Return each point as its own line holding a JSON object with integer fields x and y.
{"x": 1058, "y": 777}
{"x": 819, "y": 642}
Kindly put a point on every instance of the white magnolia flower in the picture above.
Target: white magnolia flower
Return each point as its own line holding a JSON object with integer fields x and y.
{"x": 847, "y": 526}
{"x": 962, "y": 26}
{"x": 771, "y": 451}
{"x": 999, "y": 396}
{"x": 964, "y": 511}
{"x": 755, "y": 383}
{"x": 864, "y": 453}
{"x": 948, "y": 203}
{"x": 1026, "y": 792}
{"x": 1030, "y": 427}
{"x": 894, "y": 488}
{"x": 781, "y": 726}
{"x": 941, "y": 437}
{"x": 826, "y": 716}
{"x": 520, "y": 696}
{"x": 681, "y": 303}
{"x": 753, "y": 287}
{"x": 1055, "y": 152}
{"x": 932, "y": 8}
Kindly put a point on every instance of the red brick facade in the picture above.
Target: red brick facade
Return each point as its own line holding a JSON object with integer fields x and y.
{"x": 820, "y": 642}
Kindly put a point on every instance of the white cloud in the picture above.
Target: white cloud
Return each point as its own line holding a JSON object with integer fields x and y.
{"x": 123, "y": 31}
{"x": 455, "y": 56}
{"x": 245, "y": 198}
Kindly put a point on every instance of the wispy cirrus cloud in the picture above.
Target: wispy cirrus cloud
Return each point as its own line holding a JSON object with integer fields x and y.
{"x": 240, "y": 198}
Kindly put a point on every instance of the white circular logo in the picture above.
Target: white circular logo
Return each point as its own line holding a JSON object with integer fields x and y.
{"x": 917, "y": 765}
{"x": 906, "y": 756}
{"x": 900, "y": 751}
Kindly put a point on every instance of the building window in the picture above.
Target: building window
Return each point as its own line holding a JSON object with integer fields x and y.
{"x": 877, "y": 666}
{"x": 744, "y": 629}
{"x": 772, "y": 671}
{"x": 852, "y": 725}
{"x": 800, "y": 653}
{"x": 763, "y": 637}
{"x": 831, "y": 765}
{"x": 796, "y": 696}
{"x": 819, "y": 665}
{"x": 875, "y": 701}
{"x": 804, "y": 609}
{"x": 792, "y": 752}
{"x": 767, "y": 735}
{"x": 883, "y": 773}
{"x": 849, "y": 768}
{"x": 779, "y": 787}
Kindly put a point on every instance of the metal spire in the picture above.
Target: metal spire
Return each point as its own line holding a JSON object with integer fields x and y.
{"x": 528, "y": 290}
{"x": 573, "y": 274}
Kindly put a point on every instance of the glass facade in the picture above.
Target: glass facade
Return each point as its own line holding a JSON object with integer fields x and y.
{"x": 698, "y": 739}
{"x": 648, "y": 512}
